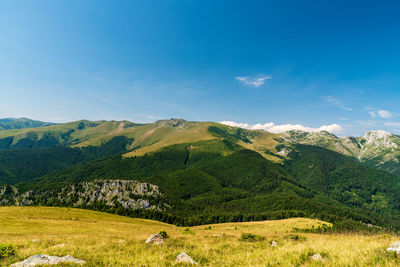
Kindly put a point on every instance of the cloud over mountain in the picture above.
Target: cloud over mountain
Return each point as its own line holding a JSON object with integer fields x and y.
{"x": 280, "y": 128}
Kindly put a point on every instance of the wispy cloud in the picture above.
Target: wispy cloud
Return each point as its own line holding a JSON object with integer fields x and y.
{"x": 280, "y": 128}
{"x": 384, "y": 114}
{"x": 333, "y": 100}
{"x": 254, "y": 81}
{"x": 380, "y": 113}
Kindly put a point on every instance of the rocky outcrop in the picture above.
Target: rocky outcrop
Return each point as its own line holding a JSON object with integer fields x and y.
{"x": 377, "y": 148}
{"x": 127, "y": 194}
{"x": 47, "y": 260}
{"x": 130, "y": 194}
{"x": 171, "y": 122}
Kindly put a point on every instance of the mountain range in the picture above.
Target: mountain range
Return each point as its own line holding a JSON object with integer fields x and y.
{"x": 205, "y": 172}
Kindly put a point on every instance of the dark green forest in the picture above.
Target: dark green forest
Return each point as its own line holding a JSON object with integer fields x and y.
{"x": 206, "y": 187}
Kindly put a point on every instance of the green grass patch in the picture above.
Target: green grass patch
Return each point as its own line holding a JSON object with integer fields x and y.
{"x": 251, "y": 237}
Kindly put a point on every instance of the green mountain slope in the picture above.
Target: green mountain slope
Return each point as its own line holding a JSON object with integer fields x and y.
{"x": 204, "y": 186}
{"x": 21, "y": 123}
{"x": 19, "y": 165}
{"x": 209, "y": 172}
{"x": 30, "y": 153}
{"x": 344, "y": 179}
{"x": 378, "y": 149}
{"x": 67, "y": 134}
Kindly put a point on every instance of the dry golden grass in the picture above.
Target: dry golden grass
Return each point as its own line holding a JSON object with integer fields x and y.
{"x": 157, "y": 138}
{"x": 108, "y": 240}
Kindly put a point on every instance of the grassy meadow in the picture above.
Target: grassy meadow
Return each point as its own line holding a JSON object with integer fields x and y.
{"x": 103, "y": 239}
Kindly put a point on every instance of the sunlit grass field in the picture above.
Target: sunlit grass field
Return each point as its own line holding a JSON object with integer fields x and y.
{"x": 103, "y": 239}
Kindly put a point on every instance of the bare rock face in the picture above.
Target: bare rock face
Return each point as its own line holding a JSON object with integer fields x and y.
{"x": 184, "y": 258}
{"x": 47, "y": 260}
{"x": 394, "y": 247}
{"x": 128, "y": 193}
{"x": 317, "y": 257}
{"x": 155, "y": 239}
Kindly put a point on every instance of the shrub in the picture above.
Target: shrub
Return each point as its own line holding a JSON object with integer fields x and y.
{"x": 163, "y": 234}
{"x": 208, "y": 228}
{"x": 6, "y": 250}
{"x": 187, "y": 231}
{"x": 296, "y": 237}
{"x": 251, "y": 237}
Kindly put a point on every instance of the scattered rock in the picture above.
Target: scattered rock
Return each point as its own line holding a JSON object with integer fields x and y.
{"x": 185, "y": 258}
{"x": 122, "y": 241}
{"x": 274, "y": 244}
{"x": 394, "y": 247}
{"x": 217, "y": 235}
{"x": 47, "y": 260}
{"x": 59, "y": 245}
{"x": 317, "y": 257}
{"x": 155, "y": 239}
{"x": 35, "y": 240}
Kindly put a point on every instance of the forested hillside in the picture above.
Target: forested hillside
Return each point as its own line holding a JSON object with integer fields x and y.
{"x": 207, "y": 172}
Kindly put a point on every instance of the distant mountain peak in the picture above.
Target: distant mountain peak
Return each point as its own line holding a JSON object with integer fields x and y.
{"x": 21, "y": 123}
{"x": 175, "y": 122}
{"x": 380, "y": 139}
{"x": 377, "y": 134}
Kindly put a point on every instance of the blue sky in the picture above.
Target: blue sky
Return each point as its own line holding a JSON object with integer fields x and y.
{"x": 311, "y": 63}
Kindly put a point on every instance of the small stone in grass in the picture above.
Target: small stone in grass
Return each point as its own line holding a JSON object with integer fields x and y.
{"x": 317, "y": 257}
{"x": 394, "y": 247}
{"x": 184, "y": 258}
{"x": 155, "y": 239}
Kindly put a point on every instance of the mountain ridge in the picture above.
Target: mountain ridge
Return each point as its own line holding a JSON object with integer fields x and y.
{"x": 21, "y": 123}
{"x": 211, "y": 172}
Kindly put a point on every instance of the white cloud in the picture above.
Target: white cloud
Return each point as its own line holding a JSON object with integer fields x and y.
{"x": 273, "y": 128}
{"x": 254, "y": 81}
{"x": 384, "y": 114}
{"x": 381, "y": 113}
{"x": 333, "y": 100}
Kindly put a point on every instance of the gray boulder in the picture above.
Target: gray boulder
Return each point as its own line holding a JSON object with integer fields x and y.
{"x": 394, "y": 247}
{"x": 184, "y": 258}
{"x": 274, "y": 244}
{"x": 317, "y": 257}
{"x": 155, "y": 239}
{"x": 47, "y": 260}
